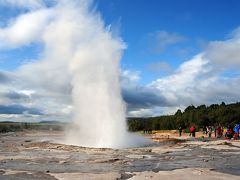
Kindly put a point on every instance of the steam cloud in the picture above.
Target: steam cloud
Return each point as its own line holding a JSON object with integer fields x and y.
{"x": 80, "y": 50}
{"x": 99, "y": 111}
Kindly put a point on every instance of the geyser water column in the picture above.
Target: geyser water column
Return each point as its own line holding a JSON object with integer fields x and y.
{"x": 99, "y": 111}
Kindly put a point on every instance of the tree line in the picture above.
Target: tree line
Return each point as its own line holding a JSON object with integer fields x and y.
{"x": 9, "y": 126}
{"x": 200, "y": 116}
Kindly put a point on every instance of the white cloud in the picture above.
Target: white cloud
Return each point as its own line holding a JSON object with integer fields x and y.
{"x": 140, "y": 113}
{"x": 129, "y": 77}
{"x": 25, "y": 29}
{"x": 139, "y": 97}
{"x": 183, "y": 81}
{"x": 201, "y": 80}
{"x": 44, "y": 83}
{"x": 29, "y": 4}
{"x": 225, "y": 54}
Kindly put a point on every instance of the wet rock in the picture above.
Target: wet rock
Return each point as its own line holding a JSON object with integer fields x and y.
{"x": 125, "y": 176}
{"x": 27, "y": 141}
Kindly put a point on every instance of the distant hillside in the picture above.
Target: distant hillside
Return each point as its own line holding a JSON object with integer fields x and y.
{"x": 9, "y": 126}
{"x": 50, "y": 122}
{"x": 7, "y": 122}
{"x": 199, "y": 116}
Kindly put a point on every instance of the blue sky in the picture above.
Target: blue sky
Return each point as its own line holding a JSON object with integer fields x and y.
{"x": 177, "y": 53}
{"x": 197, "y": 21}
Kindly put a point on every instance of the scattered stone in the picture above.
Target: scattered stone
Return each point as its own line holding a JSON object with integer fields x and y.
{"x": 27, "y": 141}
{"x": 125, "y": 176}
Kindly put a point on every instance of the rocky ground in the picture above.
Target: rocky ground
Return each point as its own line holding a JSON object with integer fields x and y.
{"x": 30, "y": 155}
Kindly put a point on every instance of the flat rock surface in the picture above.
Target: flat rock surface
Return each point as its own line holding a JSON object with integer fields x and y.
{"x": 34, "y": 155}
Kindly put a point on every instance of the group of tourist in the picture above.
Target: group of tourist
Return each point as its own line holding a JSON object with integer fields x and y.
{"x": 218, "y": 131}
{"x": 231, "y": 132}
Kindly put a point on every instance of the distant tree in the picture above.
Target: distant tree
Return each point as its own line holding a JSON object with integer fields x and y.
{"x": 202, "y": 115}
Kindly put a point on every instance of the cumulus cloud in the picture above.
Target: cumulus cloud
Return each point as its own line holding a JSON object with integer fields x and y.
{"x": 4, "y": 78}
{"x": 142, "y": 97}
{"x": 139, "y": 99}
{"x": 205, "y": 79}
{"x": 129, "y": 77}
{"x": 15, "y": 95}
{"x": 140, "y": 112}
{"x": 43, "y": 84}
{"x": 178, "y": 88}
{"x": 25, "y": 29}
{"x": 198, "y": 82}
{"x": 225, "y": 54}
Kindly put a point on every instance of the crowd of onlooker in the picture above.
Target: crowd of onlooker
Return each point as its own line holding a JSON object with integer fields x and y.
{"x": 231, "y": 132}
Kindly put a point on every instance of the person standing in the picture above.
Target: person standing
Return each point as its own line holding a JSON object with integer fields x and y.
{"x": 219, "y": 131}
{"x": 209, "y": 131}
{"x": 204, "y": 130}
{"x": 180, "y": 131}
{"x": 215, "y": 131}
{"x": 236, "y": 131}
{"x": 192, "y": 131}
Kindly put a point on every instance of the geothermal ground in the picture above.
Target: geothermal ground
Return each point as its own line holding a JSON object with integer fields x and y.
{"x": 30, "y": 155}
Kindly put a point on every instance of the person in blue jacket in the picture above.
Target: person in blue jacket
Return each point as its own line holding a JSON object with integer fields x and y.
{"x": 236, "y": 131}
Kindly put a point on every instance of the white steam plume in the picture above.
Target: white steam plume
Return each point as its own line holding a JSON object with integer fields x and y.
{"x": 99, "y": 111}
{"x": 77, "y": 49}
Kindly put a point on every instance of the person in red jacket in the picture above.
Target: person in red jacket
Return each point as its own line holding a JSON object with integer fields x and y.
{"x": 192, "y": 131}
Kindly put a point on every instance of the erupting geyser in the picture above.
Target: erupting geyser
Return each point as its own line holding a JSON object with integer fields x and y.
{"x": 93, "y": 57}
